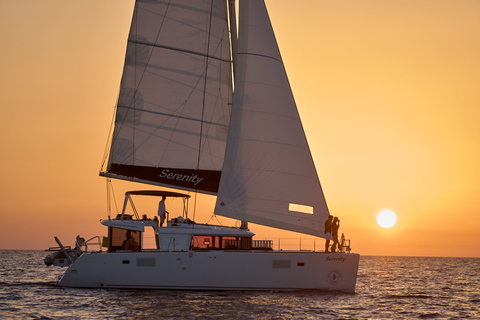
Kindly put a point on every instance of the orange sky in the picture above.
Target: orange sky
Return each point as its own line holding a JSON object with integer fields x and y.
{"x": 387, "y": 90}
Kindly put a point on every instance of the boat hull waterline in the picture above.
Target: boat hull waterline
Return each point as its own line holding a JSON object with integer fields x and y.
{"x": 215, "y": 270}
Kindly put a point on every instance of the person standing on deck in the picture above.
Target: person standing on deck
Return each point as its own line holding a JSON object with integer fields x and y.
{"x": 335, "y": 226}
{"x": 328, "y": 232}
{"x": 162, "y": 210}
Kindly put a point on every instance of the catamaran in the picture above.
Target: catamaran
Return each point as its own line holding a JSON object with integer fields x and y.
{"x": 205, "y": 107}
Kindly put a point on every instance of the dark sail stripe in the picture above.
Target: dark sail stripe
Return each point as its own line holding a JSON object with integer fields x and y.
{"x": 201, "y": 180}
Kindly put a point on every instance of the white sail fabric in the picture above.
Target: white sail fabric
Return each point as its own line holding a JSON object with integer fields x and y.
{"x": 268, "y": 175}
{"x": 174, "y": 104}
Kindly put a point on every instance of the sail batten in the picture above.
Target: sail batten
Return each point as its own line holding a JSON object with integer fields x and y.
{"x": 201, "y": 54}
{"x": 179, "y": 117}
{"x": 260, "y": 55}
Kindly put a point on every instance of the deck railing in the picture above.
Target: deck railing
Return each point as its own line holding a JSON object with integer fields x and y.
{"x": 302, "y": 244}
{"x": 285, "y": 244}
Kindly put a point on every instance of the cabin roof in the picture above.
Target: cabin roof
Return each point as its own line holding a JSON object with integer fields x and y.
{"x": 158, "y": 193}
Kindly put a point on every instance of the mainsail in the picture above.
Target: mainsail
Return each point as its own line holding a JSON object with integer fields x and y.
{"x": 175, "y": 96}
{"x": 268, "y": 175}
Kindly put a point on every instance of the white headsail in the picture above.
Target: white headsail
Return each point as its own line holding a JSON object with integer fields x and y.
{"x": 268, "y": 175}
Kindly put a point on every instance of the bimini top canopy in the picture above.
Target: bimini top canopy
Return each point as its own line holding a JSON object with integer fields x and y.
{"x": 158, "y": 193}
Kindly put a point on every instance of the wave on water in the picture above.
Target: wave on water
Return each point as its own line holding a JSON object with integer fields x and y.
{"x": 430, "y": 315}
{"x": 410, "y": 296}
{"x": 30, "y": 284}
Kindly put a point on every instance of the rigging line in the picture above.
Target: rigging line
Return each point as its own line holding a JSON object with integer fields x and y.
{"x": 112, "y": 192}
{"x": 204, "y": 87}
{"x": 109, "y": 210}
{"x": 114, "y": 199}
{"x": 203, "y": 103}
{"x": 109, "y": 142}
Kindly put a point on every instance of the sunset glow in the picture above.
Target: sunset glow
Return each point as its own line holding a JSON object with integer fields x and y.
{"x": 387, "y": 92}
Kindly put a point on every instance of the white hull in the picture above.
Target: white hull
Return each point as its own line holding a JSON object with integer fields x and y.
{"x": 215, "y": 270}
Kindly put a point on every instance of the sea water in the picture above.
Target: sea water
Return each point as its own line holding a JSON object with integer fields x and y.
{"x": 387, "y": 288}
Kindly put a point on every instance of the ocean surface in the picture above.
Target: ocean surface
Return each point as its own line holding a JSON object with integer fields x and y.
{"x": 387, "y": 288}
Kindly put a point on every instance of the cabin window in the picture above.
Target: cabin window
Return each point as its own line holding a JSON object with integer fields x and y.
{"x": 218, "y": 243}
{"x": 237, "y": 243}
{"x": 118, "y": 236}
{"x": 246, "y": 243}
{"x": 203, "y": 242}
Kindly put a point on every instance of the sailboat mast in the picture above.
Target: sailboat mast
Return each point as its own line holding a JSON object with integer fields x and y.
{"x": 234, "y": 47}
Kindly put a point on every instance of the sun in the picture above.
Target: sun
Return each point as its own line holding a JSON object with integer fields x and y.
{"x": 386, "y": 219}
